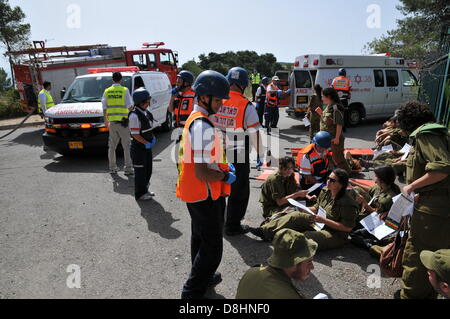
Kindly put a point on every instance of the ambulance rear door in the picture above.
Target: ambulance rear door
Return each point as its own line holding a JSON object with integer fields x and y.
{"x": 303, "y": 84}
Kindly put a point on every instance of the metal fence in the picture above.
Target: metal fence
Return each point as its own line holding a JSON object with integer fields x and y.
{"x": 435, "y": 78}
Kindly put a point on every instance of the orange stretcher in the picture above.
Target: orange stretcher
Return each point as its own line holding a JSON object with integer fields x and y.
{"x": 266, "y": 173}
{"x": 353, "y": 151}
{"x": 365, "y": 182}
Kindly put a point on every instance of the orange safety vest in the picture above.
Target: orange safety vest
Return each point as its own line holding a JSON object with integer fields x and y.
{"x": 319, "y": 165}
{"x": 272, "y": 99}
{"x": 232, "y": 113}
{"x": 189, "y": 188}
{"x": 184, "y": 108}
{"x": 341, "y": 83}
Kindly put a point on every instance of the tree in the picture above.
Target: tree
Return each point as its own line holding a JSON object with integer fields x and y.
{"x": 418, "y": 35}
{"x": 13, "y": 33}
{"x": 5, "y": 83}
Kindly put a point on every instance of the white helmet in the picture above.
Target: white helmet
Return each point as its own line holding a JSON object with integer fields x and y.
{"x": 275, "y": 78}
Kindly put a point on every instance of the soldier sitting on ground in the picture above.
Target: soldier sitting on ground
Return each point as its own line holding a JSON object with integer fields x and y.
{"x": 341, "y": 213}
{"x": 280, "y": 187}
{"x": 292, "y": 260}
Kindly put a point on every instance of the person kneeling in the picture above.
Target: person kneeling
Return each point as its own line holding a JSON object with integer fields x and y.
{"x": 341, "y": 213}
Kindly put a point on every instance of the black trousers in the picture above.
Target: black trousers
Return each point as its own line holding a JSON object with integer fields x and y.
{"x": 240, "y": 194}
{"x": 206, "y": 245}
{"x": 143, "y": 167}
{"x": 254, "y": 90}
{"x": 272, "y": 115}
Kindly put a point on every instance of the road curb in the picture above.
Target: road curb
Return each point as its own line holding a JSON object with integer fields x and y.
{"x": 13, "y": 126}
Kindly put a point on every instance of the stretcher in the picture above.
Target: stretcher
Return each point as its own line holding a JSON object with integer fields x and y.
{"x": 267, "y": 172}
{"x": 365, "y": 182}
{"x": 353, "y": 151}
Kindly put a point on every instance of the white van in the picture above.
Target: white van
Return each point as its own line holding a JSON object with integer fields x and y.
{"x": 380, "y": 84}
{"x": 77, "y": 123}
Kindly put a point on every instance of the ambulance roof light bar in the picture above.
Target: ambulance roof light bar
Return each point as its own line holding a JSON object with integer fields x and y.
{"x": 155, "y": 44}
{"x": 113, "y": 69}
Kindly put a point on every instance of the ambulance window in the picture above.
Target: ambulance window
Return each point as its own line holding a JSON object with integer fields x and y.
{"x": 302, "y": 80}
{"x": 138, "y": 83}
{"x": 140, "y": 61}
{"x": 379, "y": 78}
{"x": 392, "y": 78}
{"x": 408, "y": 78}
{"x": 166, "y": 58}
{"x": 151, "y": 58}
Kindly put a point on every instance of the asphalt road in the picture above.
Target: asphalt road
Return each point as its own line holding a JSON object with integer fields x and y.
{"x": 58, "y": 211}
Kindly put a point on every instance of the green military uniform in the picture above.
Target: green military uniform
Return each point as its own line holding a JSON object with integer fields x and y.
{"x": 430, "y": 223}
{"x": 396, "y": 139}
{"x": 276, "y": 187}
{"x": 290, "y": 248}
{"x": 438, "y": 261}
{"x": 331, "y": 117}
{"x": 266, "y": 283}
{"x": 344, "y": 211}
{"x": 390, "y": 159}
{"x": 314, "y": 117}
{"x": 378, "y": 198}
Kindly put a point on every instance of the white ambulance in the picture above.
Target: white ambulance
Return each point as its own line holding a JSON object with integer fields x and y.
{"x": 380, "y": 83}
{"x": 77, "y": 123}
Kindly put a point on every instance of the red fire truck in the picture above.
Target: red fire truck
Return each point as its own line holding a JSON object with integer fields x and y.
{"x": 61, "y": 65}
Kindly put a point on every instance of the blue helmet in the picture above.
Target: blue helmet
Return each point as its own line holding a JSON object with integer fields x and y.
{"x": 342, "y": 72}
{"x": 238, "y": 76}
{"x": 140, "y": 95}
{"x": 212, "y": 83}
{"x": 187, "y": 77}
{"x": 323, "y": 139}
{"x": 265, "y": 80}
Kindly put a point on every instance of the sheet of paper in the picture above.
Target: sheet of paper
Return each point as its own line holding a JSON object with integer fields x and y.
{"x": 387, "y": 148}
{"x": 306, "y": 122}
{"x": 406, "y": 149}
{"x": 383, "y": 231}
{"x": 302, "y": 207}
{"x": 402, "y": 205}
{"x": 371, "y": 222}
{"x": 316, "y": 186}
{"x": 321, "y": 213}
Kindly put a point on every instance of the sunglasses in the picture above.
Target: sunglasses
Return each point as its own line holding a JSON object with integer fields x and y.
{"x": 332, "y": 180}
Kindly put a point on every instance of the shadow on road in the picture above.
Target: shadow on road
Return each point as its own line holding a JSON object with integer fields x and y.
{"x": 159, "y": 221}
{"x": 252, "y": 251}
{"x": 31, "y": 138}
{"x": 311, "y": 287}
{"x": 348, "y": 254}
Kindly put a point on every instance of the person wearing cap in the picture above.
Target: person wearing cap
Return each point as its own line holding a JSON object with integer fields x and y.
{"x": 239, "y": 122}
{"x": 341, "y": 212}
{"x": 438, "y": 265}
{"x": 315, "y": 161}
{"x": 279, "y": 188}
{"x": 312, "y": 114}
{"x": 273, "y": 95}
{"x": 141, "y": 125}
{"x": 261, "y": 98}
{"x": 183, "y": 98}
{"x": 204, "y": 181}
{"x": 117, "y": 103}
{"x": 291, "y": 260}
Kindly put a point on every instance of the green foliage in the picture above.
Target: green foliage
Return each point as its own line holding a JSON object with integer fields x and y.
{"x": 192, "y": 67}
{"x": 13, "y": 33}
{"x": 5, "y": 83}
{"x": 266, "y": 64}
{"x": 10, "y": 104}
{"x": 418, "y": 35}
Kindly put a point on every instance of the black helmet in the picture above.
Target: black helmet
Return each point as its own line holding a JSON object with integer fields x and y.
{"x": 238, "y": 76}
{"x": 342, "y": 72}
{"x": 187, "y": 77}
{"x": 265, "y": 80}
{"x": 212, "y": 83}
{"x": 140, "y": 95}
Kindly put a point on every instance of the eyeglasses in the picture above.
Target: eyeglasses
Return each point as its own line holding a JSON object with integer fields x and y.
{"x": 332, "y": 180}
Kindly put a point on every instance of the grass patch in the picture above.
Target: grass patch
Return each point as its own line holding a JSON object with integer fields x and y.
{"x": 10, "y": 104}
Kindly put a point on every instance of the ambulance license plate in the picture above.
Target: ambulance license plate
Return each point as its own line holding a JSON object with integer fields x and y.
{"x": 300, "y": 109}
{"x": 76, "y": 145}
{"x": 302, "y": 99}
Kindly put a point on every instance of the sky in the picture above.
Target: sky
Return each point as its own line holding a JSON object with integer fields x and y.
{"x": 286, "y": 28}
